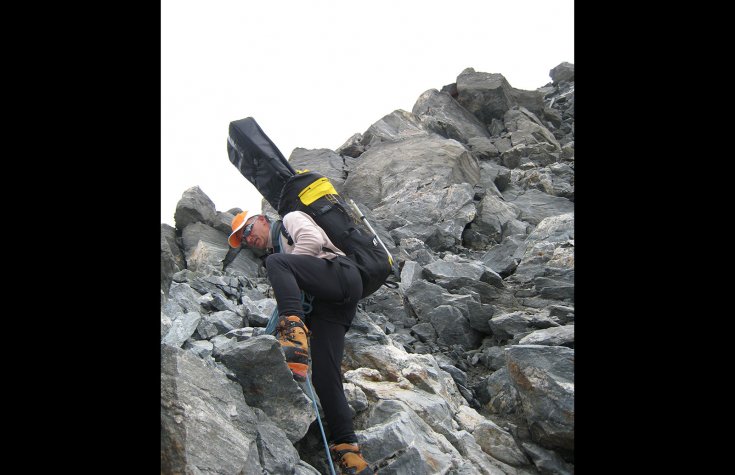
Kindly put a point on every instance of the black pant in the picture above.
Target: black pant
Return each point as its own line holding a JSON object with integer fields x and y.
{"x": 336, "y": 287}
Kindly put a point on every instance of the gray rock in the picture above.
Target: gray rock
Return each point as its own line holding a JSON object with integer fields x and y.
{"x": 259, "y": 311}
{"x": 479, "y": 315}
{"x": 550, "y": 245}
{"x": 379, "y": 179}
{"x": 499, "y": 443}
{"x": 424, "y": 332}
{"x": 498, "y": 219}
{"x": 181, "y": 329}
{"x": 221, "y": 343}
{"x": 222, "y": 222}
{"x": 441, "y": 114}
{"x": 525, "y": 128}
{"x": 172, "y": 259}
{"x": 493, "y": 357}
{"x": 394, "y": 127}
{"x": 547, "y": 461}
{"x": 194, "y": 207}
{"x": 322, "y": 160}
{"x": 411, "y": 271}
{"x": 503, "y": 397}
{"x": 487, "y": 96}
{"x": 398, "y": 441}
{"x": 544, "y": 379}
{"x": 267, "y": 383}
{"x": 198, "y": 401}
{"x": 206, "y": 247}
{"x": 562, "y": 72}
{"x": 201, "y": 348}
{"x": 453, "y": 328}
{"x": 502, "y": 257}
{"x": 353, "y": 147}
{"x": 561, "y": 314}
{"x": 536, "y": 205}
{"x": 556, "y": 336}
{"x": 182, "y": 297}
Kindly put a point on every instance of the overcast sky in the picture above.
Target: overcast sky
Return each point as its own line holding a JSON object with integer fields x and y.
{"x": 314, "y": 72}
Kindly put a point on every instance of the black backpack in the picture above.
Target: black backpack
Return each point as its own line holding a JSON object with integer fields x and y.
{"x": 314, "y": 194}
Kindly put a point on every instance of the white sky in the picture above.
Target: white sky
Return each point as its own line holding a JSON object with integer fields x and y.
{"x": 314, "y": 72}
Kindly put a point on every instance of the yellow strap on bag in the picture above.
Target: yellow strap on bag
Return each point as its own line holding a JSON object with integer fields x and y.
{"x": 316, "y": 190}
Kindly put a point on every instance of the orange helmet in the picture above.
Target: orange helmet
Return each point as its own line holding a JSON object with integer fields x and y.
{"x": 238, "y": 222}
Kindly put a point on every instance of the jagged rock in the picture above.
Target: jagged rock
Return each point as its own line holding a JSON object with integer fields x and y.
{"x": 493, "y": 357}
{"x": 415, "y": 250}
{"x": 198, "y": 401}
{"x": 533, "y": 101}
{"x": 497, "y": 219}
{"x": 499, "y": 443}
{"x": 562, "y": 72}
{"x": 449, "y": 269}
{"x": 561, "y": 314}
{"x": 322, "y": 160}
{"x": 544, "y": 379}
{"x": 536, "y": 205}
{"x": 355, "y": 397}
{"x": 411, "y": 272}
{"x": 487, "y": 96}
{"x": 547, "y": 461}
{"x": 206, "y": 247}
{"x": 221, "y": 343}
{"x": 222, "y": 222}
{"x": 550, "y": 245}
{"x": 353, "y": 147}
{"x": 165, "y": 324}
{"x": 267, "y": 383}
{"x": 259, "y": 311}
{"x": 424, "y": 296}
{"x": 181, "y": 329}
{"x": 394, "y": 127}
{"x": 479, "y": 315}
{"x": 525, "y": 128}
{"x": 484, "y": 463}
{"x": 201, "y": 348}
{"x": 218, "y": 323}
{"x": 402, "y": 442}
{"x": 172, "y": 259}
{"x": 502, "y": 396}
{"x": 504, "y": 258}
{"x": 453, "y": 328}
{"x": 440, "y": 113}
{"x": 194, "y": 207}
{"x": 508, "y": 325}
{"x": 434, "y": 197}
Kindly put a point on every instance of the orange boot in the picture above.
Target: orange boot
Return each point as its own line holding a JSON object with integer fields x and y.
{"x": 293, "y": 336}
{"x": 349, "y": 459}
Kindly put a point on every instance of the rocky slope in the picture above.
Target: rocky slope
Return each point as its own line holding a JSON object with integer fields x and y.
{"x": 466, "y": 368}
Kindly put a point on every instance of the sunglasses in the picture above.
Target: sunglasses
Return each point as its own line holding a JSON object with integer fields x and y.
{"x": 247, "y": 230}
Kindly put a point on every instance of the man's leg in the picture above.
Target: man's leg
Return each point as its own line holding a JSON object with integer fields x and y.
{"x": 326, "y": 281}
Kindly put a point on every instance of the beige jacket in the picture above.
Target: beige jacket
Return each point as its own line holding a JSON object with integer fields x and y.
{"x": 308, "y": 237}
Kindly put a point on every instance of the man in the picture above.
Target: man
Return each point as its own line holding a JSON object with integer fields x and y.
{"x": 308, "y": 260}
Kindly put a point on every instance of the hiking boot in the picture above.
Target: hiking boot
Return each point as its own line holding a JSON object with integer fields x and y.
{"x": 349, "y": 459}
{"x": 293, "y": 336}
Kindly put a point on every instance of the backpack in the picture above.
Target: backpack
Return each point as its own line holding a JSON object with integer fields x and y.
{"x": 315, "y": 195}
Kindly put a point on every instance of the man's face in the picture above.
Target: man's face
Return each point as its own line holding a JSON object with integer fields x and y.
{"x": 258, "y": 237}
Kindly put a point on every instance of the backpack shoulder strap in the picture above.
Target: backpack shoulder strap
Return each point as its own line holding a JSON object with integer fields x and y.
{"x": 276, "y": 229}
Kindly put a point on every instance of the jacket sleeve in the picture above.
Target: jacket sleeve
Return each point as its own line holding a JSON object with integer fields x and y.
{"x": 306, "y": 235}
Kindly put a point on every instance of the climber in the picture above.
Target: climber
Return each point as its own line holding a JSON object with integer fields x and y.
{"x": 303, "y": 258}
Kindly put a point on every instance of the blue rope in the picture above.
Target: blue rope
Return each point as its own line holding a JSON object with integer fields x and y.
{"x": 319, "y": 420}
